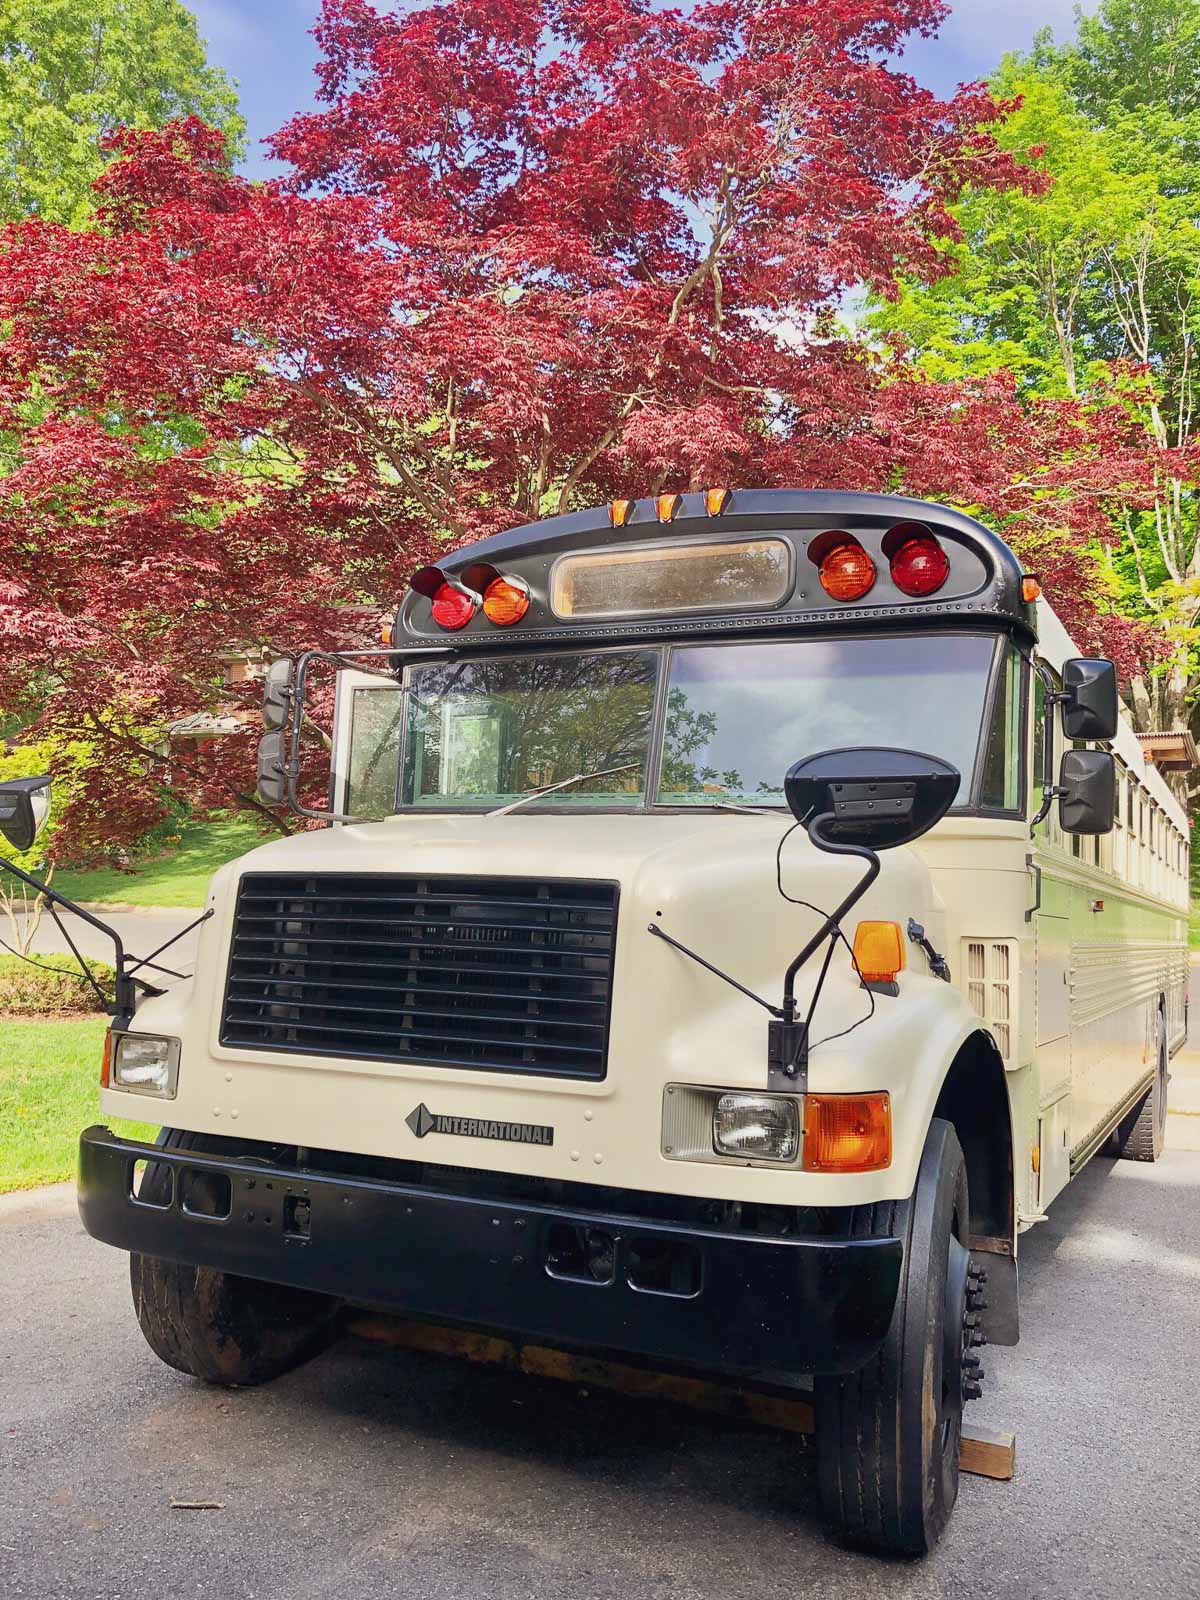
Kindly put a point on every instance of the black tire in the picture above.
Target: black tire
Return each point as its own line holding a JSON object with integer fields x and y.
{"x": 1143, "y": 1133}
{"x": 889, "y": 1436}
{"x": 227, "y": 1330}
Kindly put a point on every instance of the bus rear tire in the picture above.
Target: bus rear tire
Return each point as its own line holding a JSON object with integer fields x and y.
{"x": 230, "y": 1331}
{"x": 1143, "y": 1133}
{"x": 890, "y": 1435}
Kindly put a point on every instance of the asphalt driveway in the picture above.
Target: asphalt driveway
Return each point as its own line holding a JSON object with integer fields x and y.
{"x": 375, "y": 1471}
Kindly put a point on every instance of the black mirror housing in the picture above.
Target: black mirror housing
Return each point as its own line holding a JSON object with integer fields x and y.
{"x": 1091, "y": 708}
{"x": 24, "y": 809}
{"x": 871, "y": 798}
{"x": 277, "y": 694}
{"x": 272, "y": 768}
{"x": 1088, "y": 779}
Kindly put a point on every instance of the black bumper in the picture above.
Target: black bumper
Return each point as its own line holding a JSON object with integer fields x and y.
{"x": 727, "y": 1302}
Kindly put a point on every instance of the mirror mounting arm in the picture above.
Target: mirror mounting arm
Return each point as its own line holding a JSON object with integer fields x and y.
{"x": 829, "y": 928}
{"x": 294, "y": 696}
{"x": 1053, "y": 697}
{"x": 125, "y": 984}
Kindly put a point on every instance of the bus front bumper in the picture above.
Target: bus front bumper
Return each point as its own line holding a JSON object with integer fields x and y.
{"x": 722, "y": 1301}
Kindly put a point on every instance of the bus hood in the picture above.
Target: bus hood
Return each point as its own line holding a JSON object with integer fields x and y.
{"x": 707, "y": 878}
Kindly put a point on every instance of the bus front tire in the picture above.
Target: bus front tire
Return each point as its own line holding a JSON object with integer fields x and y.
{"x": 1143, "y": 1133}
{"x": 889, "y": 1436}
{"x": 230, "y": 1331}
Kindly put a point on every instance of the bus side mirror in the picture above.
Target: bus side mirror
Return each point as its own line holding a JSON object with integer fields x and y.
{"x": 277, "y": 694}
{"x": 24, "y": 809}
{"x": 1090, "y": 708}
{"x": 1088, "y": 781}
{"x": 272, "y": 769}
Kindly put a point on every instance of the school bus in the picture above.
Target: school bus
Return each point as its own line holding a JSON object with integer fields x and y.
{"x": 741, "y": 915}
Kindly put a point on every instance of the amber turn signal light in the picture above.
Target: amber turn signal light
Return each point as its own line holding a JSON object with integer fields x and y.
{"x": 505, "y": 601}
{"x": 106, "y": 1061}
{"x": 847, "y": 572}
{"x": 847, "y": 1132}
{"x": 620, "y": 512}
{"x": 878, "y": 951}
{"x": 1031, "y": 589}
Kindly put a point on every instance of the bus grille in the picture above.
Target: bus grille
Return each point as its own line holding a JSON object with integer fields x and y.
{"x": 494, "y": 974}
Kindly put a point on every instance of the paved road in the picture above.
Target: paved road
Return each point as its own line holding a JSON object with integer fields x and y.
{"x": 141, "y": 931}
{"x": 378, "y": 1472}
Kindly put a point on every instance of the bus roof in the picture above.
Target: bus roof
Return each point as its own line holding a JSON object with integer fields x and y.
{"x": 703, "y": 564}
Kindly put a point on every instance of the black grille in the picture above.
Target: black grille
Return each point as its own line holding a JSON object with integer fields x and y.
{"x": 498, "y": 974}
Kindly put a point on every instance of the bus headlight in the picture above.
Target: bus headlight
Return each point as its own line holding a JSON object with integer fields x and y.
{"x": 145, "y": 1064}
{"x": 760, "y": 1125}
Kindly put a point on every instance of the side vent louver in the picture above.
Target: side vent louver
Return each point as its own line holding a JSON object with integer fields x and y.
{"x": 989, "y": 965}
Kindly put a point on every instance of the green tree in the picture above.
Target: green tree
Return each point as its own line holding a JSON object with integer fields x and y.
{"x": 1134, "y": 54}
{"x": 1093, "y": 286}
{"x": 71, "y": 71}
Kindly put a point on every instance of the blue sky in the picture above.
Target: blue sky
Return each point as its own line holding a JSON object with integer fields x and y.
{"x": 265, "y": 45}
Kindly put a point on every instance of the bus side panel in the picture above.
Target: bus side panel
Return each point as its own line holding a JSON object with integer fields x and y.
{"x": 1124, "y": 956}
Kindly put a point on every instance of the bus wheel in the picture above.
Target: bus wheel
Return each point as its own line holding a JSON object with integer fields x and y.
{"x": 212, "y": 1325}
{"x": 1143, "y": 1133}
{"x": 889, "y": 1436}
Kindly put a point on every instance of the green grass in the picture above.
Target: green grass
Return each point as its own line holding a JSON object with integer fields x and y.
{"x": 49, "y": 1082}
{"x": 1194, "y": 927}
{"x": 177, "y": 877}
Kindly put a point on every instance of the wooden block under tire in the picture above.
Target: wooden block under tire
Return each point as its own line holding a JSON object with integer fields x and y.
{"x": 984, "y": 1453}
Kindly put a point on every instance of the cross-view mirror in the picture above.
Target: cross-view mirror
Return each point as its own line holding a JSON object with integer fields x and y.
{"x": 1088, "y": 779}
{"x": 277, "y": 693}
{"x": 873, "y": 798}
{"x": 24, "y": 810}
{"x": 1090, "y": 710}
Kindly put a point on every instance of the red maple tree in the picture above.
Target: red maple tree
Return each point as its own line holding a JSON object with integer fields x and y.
{"x": 532, "y": 254}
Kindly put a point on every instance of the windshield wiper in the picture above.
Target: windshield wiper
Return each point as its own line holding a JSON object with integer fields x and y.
{"x": 732, "y": 805}
{"x": 549, "y": 788}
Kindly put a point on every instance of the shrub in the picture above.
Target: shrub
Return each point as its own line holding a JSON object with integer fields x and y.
{"x": 55, "y": 987}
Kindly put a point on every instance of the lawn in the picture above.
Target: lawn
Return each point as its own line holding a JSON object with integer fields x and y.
{"x": 177, "y": 877}
{"x": 49, "y": 1077}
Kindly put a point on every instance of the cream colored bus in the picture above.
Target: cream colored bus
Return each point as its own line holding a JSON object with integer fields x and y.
{"x": 708, "y": 991}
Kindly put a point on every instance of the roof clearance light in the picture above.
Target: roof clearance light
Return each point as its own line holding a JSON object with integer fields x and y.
{"x": 505, "y": 601}
{"x": 847, "y": 571}
{"x": 620, "y": 512}
{"x": 1031, "y": 589}
{"x": 717, "y": 501}
{"x": 453, "y": 608}
{"x": 920, "y": 566}
{"x": 667, "y": 505}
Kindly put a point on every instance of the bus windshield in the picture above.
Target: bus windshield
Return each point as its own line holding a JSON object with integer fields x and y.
{"x": 694, "y": 725}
